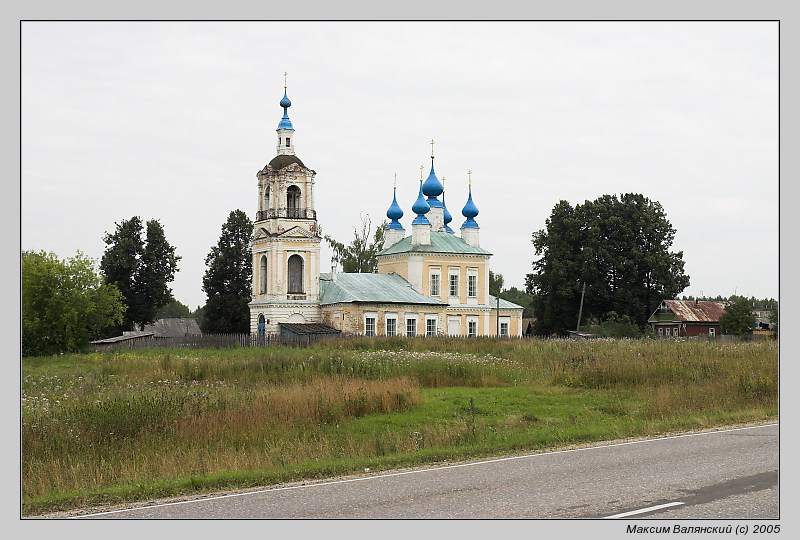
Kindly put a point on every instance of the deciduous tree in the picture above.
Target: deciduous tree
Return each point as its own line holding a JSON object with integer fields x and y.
{"x": 619, "y": 247}
{"x": 495, "y": 283}
{"x": 65, "y": 304}
{"x": 738, "y": 318}
{"x": 360, "y": 255}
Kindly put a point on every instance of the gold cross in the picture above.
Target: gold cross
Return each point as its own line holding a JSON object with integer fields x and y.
{"x": 442, "y": 184}
{"x": 470, "y": 177}
{"x": 284, "y": 78}
{"x": 421, "y": 167}
{"x": 432, "y": 148}
{"x": 395, "y": 180}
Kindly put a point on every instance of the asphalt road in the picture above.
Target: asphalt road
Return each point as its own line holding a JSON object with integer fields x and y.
{"x": 726, "y": 474}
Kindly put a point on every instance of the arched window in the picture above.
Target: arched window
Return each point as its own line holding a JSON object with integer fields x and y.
{"x": 262, "y": 328}
{"x": 266, "y": 197}
{"x": 262, "y": 275}
{"x": 295, "y": 275}
{"x": 293, "y": 201}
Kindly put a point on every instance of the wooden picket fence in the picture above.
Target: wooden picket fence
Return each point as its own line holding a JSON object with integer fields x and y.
{"x": 214, "y": 341}
{"x": 222, "y": 341}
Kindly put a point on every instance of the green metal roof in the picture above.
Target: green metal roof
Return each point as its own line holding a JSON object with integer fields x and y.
{"x": 441, "y": 242}
{"x": 376, "y": 288}
{"x": 504, "y": 304}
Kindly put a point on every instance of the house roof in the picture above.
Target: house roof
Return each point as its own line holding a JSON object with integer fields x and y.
{"x": 504, "y": 304}
{"x": 694, "y": 310}
{"x": 305, "y": 329}
{"x": 125, "y": 337}
{"x": 374, "y": 288}
{"x": 441, "y": 242}
{"x": 173, "y": 327}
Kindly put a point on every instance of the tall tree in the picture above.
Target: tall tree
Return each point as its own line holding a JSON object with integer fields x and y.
{"x": 141, "y": 268}
{"x": 618, "y": 247}
{"x": 65, "y": 304}
{"x": 495, "y": 283}
{"x": 521, "y": 298}
{"x": 228, "y": 277}
{"x": 173, "y": 309}
{"x": 738, "y": 318}
{"x": 360, "y": 255}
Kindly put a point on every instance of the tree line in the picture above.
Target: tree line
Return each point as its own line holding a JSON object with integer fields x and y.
{"x": 67, "y": 303}
{"x": 605, "y": 264}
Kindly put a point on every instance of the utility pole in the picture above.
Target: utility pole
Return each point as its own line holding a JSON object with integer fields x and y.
{"x": 498, "y": 314}
{"x": 580, "y": 310}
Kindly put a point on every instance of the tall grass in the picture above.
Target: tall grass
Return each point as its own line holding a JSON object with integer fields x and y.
{"x": 161, "y": 422}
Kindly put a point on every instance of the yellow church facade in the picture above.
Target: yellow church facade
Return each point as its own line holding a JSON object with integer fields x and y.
{"x": 432, "y": 282}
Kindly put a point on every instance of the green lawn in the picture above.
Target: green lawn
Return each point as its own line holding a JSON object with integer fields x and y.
{"x": 114, "y": 427}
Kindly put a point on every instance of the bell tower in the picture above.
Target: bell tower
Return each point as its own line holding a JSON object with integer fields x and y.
{"x": 286, "y": 240}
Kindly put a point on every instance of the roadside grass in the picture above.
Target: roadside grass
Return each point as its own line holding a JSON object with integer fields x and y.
{"x": 118, "y": 427}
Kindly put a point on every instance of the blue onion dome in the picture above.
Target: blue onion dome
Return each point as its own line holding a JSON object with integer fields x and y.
{"x": 470, "y": 211}
{"x": 420, "y": 208}
{"x": 285, "y": 102}
{"x": 285, "y": 123}
{"x": 394, "y": 213}
{"x": 432, "y": 188}
{"x": 448, "y": 217}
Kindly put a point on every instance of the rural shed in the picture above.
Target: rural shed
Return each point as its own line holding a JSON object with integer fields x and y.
{"x": 308, "y": 331}
{"x": 126, "y": 340}
{"x": 687, "y": 318}
{"x": 173, "y": 327}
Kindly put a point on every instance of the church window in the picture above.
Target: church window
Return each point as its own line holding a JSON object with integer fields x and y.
{"x": 453, "y": 284}
{"x": 504, "y": 324}
{"x": 262, "y": 275}
{"x": 295, "y": 275}
{"x": 472, "y": 286}
{"x": 266, "y": 198}
{"x": 411, "y": 326}
{"x": 472, "y": 328}
{"x": 435, "y": 284}
{"x": 293, "y": 201}
{"x": 430, "y": 326}
{"x": 369, "y": 324}
{"x": 391, "y": 324}
{"x": 287, "y": 141}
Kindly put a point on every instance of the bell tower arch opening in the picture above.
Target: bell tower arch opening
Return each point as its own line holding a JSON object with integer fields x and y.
{"x": 295, "y": 274}
{"x": 293, "y": 202}
{"x": 262, "y": 275}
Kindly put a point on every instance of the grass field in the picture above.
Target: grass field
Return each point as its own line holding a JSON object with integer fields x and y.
{"x": 113, "y": 427}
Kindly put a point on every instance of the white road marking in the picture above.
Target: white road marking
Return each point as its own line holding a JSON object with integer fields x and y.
{"x": 418, "y": 471}
{"x": 643, "y": 510}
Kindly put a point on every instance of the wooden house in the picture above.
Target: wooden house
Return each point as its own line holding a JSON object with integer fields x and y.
{"x": 687, "y": 318}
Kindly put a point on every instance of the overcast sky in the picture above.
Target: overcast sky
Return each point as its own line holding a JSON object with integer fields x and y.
{"x": 171, "y": 121}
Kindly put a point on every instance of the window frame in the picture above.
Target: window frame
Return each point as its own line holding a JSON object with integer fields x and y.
{"x": 472, "y": 285}
{"x": 507, "y": 326}
{"x": 390, "y": 317}
{"x": 470, "y": 323}
{"x": 431, "y": 319}
{"x": 435, "y": 277}
{"x": 452, "y": 279}
{"x": 374, "y": 318}
{"x": 411, "y": 319}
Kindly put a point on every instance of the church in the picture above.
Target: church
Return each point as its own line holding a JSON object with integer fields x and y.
{"x": 431, "y": 282}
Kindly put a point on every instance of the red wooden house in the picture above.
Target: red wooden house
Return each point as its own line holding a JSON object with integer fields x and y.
{"x": 687, "y": 318}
